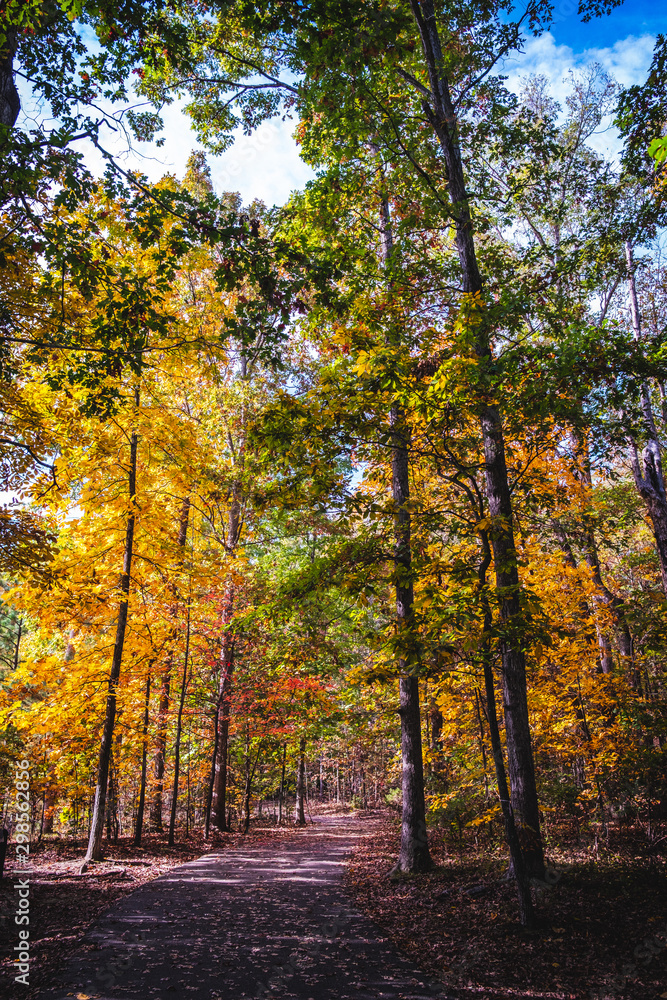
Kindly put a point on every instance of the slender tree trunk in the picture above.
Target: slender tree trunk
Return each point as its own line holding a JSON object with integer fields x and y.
{"x": 441, "y": 113}
{"x": 435, "y": 716}
{"x": 94, "y": 852}
{"x": 650, "y": 485}
{"x": 219, "y": 800}
{"x": 17, "y": 645}
{"x": 282, "y": 786}
{"x": 138, "y": 829}
{"x": 179, "y": 727}
{"x": 49, "y": 809}
{"x": 247, "y": 793}
{"x": 163, "y": 710}
{"x": 209, "y": 791}
{"x": 413, "y": 854}
{"x": 161, "y": 745}
{"x": 299, "y": 807}
{"x": 614, "y": 604}
{"x": 10, "y": 103}
{"x": 234, "y": 525}
{"x": 112, "y": 803}
{"x": 517, "y": 858}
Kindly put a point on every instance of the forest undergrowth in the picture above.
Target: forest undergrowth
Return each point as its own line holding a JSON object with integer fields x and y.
{"x": 600, "y": 932}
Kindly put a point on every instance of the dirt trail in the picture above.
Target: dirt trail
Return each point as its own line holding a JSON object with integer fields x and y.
{"x": 250, "y": 922}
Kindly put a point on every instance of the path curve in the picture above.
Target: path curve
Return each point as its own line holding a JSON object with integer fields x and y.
{"x": 260, "y": 922}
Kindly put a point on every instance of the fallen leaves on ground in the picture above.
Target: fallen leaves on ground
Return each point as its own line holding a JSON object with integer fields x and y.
{"x": 601, "y": 929}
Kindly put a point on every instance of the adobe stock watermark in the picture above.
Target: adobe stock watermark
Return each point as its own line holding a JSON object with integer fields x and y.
{"x": 22, "y": 885}
{"x": 305, "y": 954}
{"x": 644, "y": 953}
{"x": 239, "y": 158}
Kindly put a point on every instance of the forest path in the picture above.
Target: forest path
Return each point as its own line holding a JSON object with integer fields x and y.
{"x": 265, "y": 921}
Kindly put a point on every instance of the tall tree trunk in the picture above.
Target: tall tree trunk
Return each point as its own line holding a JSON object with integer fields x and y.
{"x": 517, "y": 859}
{"x": 138, "y": 827}
{"x": 282, "y": 786}
{"x": 209, "y": 791}
{"x": 10, "y": 103}
{"x": 441, "y": 113}
{"x": 49, "y": 809}
{"x": 612, "y": 602}
{"x": 413, "y": 854}
{"x": 616, "y": 609}
{"x": 650, "y": 485}
{"x": 299, "y": 807}
{"x": 219, "y": 800}
{"x": 250, "y": 768}
{"x": 163, "y": 709}
{"x": 17, "y": 645}
{"x": 234, "y": 526}
{"x": 94, "y": 852}
{"x": 179, "y": 726}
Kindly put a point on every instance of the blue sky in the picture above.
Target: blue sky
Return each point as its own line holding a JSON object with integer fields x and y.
{"x": 267, "y": 165}
{"x": 634, "y": 17}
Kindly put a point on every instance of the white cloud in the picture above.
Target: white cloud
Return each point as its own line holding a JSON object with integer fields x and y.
{"x": 263, "y": 165}
{"x": 627, "y": 61}
{"x": 266, "y": 164}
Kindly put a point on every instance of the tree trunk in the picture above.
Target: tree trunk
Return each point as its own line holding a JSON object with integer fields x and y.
{"x": 413, "y": 853}
{"x": 247, "y": 794}
{"x": 49, "y": 809}
{"x": 94, "y": 852}
{"x": 138, "y": 828}
{"x": 219, "y": 799}
{"x": 282, "y": 786}
{"x": 163, "y": 710}
{"x": 650, "y": 485}
{"x": 209, "y": 794}
{"x": 443, "y": 118}
{"x": 517, "y": 857}
{"x": 10, "y": 104}
{"x": 179, "y": 726}
{"x": 299, "y": 810}
{"x": 234, "y": 525}
{"x": 17, "y": 645}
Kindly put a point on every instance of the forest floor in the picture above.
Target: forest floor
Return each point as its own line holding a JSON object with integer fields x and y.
{"x": 601, "y": 931}
{"x": 266, "y": 916}
{"x": 64, "y": 904}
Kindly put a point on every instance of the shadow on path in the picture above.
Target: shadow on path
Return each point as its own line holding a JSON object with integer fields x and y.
{"x": 252, "y": 922}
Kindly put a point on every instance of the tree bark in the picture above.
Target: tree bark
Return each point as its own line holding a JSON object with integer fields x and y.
{"x": 650, "y": 485}
{"x": 219, "y": 799}
{"x": 179, "y": 725}
{"x": 517, "y": 859}
{"x": 442, "y": 116}
{"x": 282, "y": 786}
{"x": 138, "y": 827}
{"x": 299, "y": 808}
{"x": 50, "y": 800}
{"x": 234, "y": 525}
{"x": 163, "y": 710}
{"x": 209, "y": 795}
{"x": 413, "y": 854}
{"x": 10, "y": 103}
{"x": 94, "y": 852}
